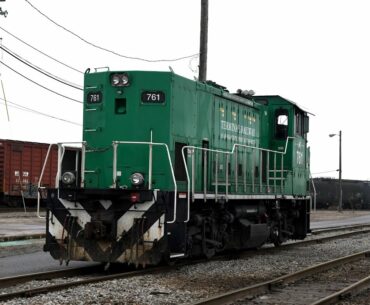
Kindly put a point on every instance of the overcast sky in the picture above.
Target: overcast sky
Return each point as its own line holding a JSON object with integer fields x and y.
{"x": 315, "y": 53}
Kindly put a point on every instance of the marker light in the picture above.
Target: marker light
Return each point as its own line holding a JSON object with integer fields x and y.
{"x": 137, "y": 179}
{"x": 68, "y": 178}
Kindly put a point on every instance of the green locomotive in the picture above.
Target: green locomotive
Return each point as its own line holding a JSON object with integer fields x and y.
{"x": 172, "y": 167}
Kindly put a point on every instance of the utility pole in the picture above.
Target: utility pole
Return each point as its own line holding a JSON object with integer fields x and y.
{"x": 340, "y": 207}
{"x": 203, "y": 41}
{"x": 340, "y": 203}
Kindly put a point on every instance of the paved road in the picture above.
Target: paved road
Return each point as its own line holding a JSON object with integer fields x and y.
{"x": 340, "y": 222}
{"x": 17, "y": 225}
{"x": 32, "y": 262}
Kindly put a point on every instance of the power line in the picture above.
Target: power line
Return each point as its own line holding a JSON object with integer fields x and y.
{"x": 105, "y": 49}
{"x": 36, "y": 83}
{"x": 38, "y": 69}
{"x": 41, "y": 52}
{"x": 327, "y": 172}
{"x": 23, "y": 108}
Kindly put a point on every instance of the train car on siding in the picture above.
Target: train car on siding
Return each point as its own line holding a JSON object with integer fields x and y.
{"x": 355, "y": 193}
{"x": 20, "y": 168}
{"x": 172, "y": 167}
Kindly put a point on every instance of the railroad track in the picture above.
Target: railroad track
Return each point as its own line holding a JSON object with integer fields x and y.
{"x": 313, "y": 285}
{"x": 4, "y": 282}
{"x": 95, "y": 271}
{"x": 49, "y": 275}
{"x": 318, "y": 240}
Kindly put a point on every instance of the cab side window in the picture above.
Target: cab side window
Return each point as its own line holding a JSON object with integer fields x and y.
{"x": 299, "y": 124}
{"x": 281, "y": 124}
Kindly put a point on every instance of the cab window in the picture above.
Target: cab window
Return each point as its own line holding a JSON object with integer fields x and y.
{"x": 281, "y": 124}
{"x": 298, "y": 124}
{"x": 301, "y": 124}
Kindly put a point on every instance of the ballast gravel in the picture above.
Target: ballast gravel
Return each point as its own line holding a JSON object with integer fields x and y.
{"x": 192, "y": 283}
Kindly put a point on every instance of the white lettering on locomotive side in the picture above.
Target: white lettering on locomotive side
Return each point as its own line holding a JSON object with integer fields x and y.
{"x": 242, "y": 134}
{"x": 237, "y": 128}
{"x": 300, "y": 154}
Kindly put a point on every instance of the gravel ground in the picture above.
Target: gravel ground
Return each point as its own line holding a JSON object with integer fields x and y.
{"x": 191, "y": 283}
{"x": 361, "y": 299}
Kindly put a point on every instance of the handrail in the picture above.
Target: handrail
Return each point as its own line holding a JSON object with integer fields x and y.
{"x": 150, "y": 171}
{"x": 217, "y": 151}
{"x": 61, "y": 150}
{"x": 314, "y": 193}
{"x": 115, "y": 157}
{"x": 40, "y": 179}
{"x": 61, "y": 156}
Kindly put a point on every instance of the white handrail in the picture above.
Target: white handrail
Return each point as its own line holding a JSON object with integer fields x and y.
{"x": 193, "y": 148}
{"x": 40, "y": 179}
{"x": 83, "y": 155}
{"x": 314, "y": 193}
{"x": 61, "y": 150}
{"x": 116, "y": 143}
{"x": 150, "y": 161}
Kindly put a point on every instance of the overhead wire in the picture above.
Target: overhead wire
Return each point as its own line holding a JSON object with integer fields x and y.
{"x": 105, "y": 49}
{"x": 5, "y": 100}
{"x": 23, "y": 108}
{"x": 2, "y": 84}
{"x": 326, "y": 172}
{"x": 38, "y": 84}
{"x": 41, "y": 52}
{"x": 33, "y": 66}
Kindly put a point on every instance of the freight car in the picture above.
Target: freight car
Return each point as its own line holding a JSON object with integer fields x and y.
{"x": 21, "y": 163}
{"x": 177, "y": 168}
{"x": 356, "y": 193}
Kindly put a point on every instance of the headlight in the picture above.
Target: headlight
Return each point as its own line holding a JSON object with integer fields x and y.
{"x": 137, "y": 179}
{"x": 119, "y": 80}
{"x": 68, "y": 178}
{"x": 115, "y": 80}
{"x": 124, "y": 79}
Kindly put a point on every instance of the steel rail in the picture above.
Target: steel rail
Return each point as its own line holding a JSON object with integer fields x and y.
{"x": 323, "y": 239}
{"x": 94, "y": 279}
{"x": 345, "y": 293}
{"x": 265, "y": 287}
{"x": 19, "y": 279}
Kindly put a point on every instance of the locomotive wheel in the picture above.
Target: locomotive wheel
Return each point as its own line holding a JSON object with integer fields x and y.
{"x": 209, "y": 252}
{"x": 277, "y": 236}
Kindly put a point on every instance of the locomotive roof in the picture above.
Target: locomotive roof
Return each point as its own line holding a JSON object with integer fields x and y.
{"x": 283, "y": 100}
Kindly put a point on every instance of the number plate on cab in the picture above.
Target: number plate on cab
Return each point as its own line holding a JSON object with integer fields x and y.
{"x": 153, "y": 97}
{"x": 94, "y": 97}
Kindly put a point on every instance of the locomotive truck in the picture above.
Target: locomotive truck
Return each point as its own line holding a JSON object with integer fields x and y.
{"x": 172, "y": 167}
